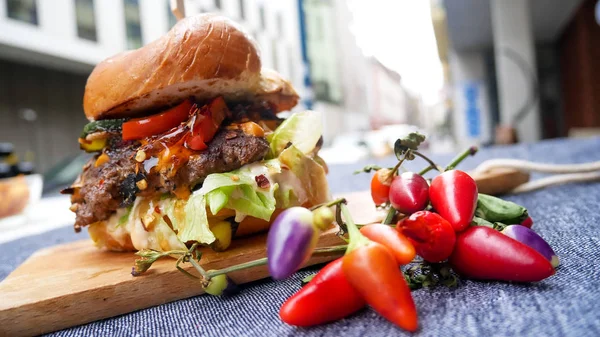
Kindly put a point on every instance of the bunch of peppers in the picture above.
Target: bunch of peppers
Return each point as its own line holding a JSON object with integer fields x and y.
{"x": 453, "y": 228}
{"x": 446, "y": 222}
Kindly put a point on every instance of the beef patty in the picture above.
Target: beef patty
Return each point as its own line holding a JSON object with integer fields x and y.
{"x": 112, "y": 185}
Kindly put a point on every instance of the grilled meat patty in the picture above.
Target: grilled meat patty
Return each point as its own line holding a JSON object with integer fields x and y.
{"x": 112, "y": 185}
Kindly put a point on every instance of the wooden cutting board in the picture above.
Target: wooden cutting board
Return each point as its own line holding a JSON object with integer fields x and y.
{"x": 75, "y": 283}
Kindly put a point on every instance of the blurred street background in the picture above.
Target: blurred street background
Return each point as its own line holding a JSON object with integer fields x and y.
{"x": 463, "y": 72}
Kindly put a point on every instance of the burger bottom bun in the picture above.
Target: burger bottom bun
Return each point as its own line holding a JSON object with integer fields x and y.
{"x": 119, "y": 239}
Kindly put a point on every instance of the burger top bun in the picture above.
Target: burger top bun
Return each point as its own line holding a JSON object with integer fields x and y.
{"x": 203, "y": 56}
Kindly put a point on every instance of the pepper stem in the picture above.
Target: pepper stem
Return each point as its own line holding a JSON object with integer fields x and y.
{"x": 356, "y": 238}
{"x": 395, "y": 169}
{"x": 468, "y": 152}
{"x": 432, "y": 164}
{"x": 329, "y": 204}
{"x": 263, "y": 261}
{"x": 390, "y": 216}
{"x": 455, "y": 161}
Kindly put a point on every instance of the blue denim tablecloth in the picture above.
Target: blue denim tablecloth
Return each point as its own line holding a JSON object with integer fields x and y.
{"x": 567, "y": 304}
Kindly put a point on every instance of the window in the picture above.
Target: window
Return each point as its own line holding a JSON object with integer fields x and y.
{"x": 261, "y": 12}
{"x": 322, "y": 91}
{"x": 86, "y": 20}
{"x": 132, "y": 24}
{"x": 218, "y": 4}
{"x": 242, "y": 10}
{"x": 22, "y": 10}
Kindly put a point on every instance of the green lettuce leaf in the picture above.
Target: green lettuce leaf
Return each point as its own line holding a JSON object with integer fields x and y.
{"x": 302, "y": 129}
{"x": 193, "y": 226}
{"x": 238, "y": 190}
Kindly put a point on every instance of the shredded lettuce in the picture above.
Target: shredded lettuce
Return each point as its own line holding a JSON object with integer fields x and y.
{"x": 195, "y": 227}
{"x": 302, "y": 129}
{"x": 238, "y": 190}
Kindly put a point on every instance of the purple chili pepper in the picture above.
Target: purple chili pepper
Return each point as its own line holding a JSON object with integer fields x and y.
{"x": 291, "y": 240}
{"x": 533, "y": 240}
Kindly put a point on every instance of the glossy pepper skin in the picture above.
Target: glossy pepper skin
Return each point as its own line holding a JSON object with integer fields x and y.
{"x": 528, "y": 222}
{"x": 409, "y": 193}
{"x": 373, "y": 271}
{"x": 453, "y": 195}
{"x": 291, "y": 239}
{"x": 433, "y": 236}
{"x": 326, "y": 298}
{"x": 483, "y": 253}
{"x": 398, "y": 244}
{"x": 380, "y": 186}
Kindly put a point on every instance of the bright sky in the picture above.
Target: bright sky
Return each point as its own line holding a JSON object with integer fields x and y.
{"x": 399, "y": 33}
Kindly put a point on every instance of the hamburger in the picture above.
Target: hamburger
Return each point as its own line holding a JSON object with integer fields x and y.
{"x": 188, "y": 143}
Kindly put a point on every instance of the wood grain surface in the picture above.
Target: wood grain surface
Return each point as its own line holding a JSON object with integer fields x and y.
{"x": 75, "y": 283}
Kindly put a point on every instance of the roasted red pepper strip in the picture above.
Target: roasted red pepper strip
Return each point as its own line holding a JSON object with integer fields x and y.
{"x": 483, "y": 253}
{"x": 402, "y": 249}
{"x": 326, "y": 298}
{"x": 206, "y": 124}
{"x": 139, "y": 128}
{"x": 373, "y": 271}
{"x": 453, "y": 195}
{"x": 432, "y": 236}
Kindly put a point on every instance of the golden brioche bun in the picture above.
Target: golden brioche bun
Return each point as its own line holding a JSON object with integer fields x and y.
{"x": 203, "y": 56}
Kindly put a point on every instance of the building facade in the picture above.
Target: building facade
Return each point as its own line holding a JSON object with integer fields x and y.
{"x": 49, "y": 47}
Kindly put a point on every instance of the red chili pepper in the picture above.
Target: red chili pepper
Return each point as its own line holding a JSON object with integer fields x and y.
{"x": 485, "y": 254}
{"x": 453, "y": 195}
{"x": 432, "y": 236}
{"x": 380, "y": 186}
{"x": 326, "y": 298}
{"x": 400, "y": 246}
{"x": 373, "y": 271}
{"x": 528, "y": 222}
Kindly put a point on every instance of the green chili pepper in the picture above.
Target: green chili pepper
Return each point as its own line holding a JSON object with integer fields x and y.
{"x": 495, "y": 209}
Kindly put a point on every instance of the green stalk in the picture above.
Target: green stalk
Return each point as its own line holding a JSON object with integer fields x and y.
{"x": 389, "y": 216}
{"x": 329, "y": 204}
{"x": 425, "y": 170}
{"x": 356, "y": 238}
{"x": 468, "y": 152}
{"x": 455, "y": 161}
{"x": 263, "y": 261}
{"x": 201, "y": 270}
{"x": 237, "y": 267}
{"x": 432, "y": 165}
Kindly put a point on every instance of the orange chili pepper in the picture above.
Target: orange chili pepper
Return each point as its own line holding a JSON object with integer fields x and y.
{"x": 373, "y": 271}
{"x": 398, "y": 244}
